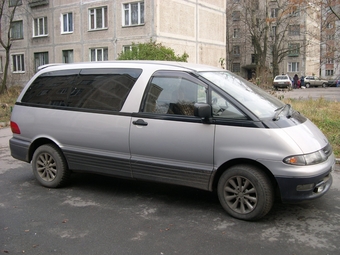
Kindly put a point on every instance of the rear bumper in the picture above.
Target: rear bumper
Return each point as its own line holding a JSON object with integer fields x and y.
{"x": 19, "y": 149}
{"x": 301, "y": 189}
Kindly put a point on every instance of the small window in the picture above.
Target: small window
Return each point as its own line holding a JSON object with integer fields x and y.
{"x": 294, "y": 49}
{"x": 236, "y": 50}
{"x": 95, "y": 89}
{"x": 40, "y": 58}
{"x": 329, "y": 72}
{"x": 173, "y": 95}
{"x": 13, "y": 3}
{"x": 17, "y": 30}
{"x": 236, "y": 15}
{"x": 236, "y": 33}
{"x": 236, "y": 67}
{"x": 67, "y": 23}
{"x": 274, "y": 12}
{"x": 99, "y": 54}
{"x": 293, "y": 67}
{"x": 222, "y": 108}
{"x": 133, "y": 14}
{"x": 40, "y": 27}
{"x": 294, "y": 30}
{"x": 18, "y": 64}
{"x": 98, "y": 18}
{"x": 67, "y": 56}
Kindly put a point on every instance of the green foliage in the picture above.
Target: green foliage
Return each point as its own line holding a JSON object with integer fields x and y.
{"x": 151, "y": 51}
{"x": 324, "y": 114}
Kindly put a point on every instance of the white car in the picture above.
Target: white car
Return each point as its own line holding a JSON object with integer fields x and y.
{"x": 282, "y": 81}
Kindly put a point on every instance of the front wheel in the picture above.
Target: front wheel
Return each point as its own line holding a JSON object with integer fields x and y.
{"x": 49, "y": 166}
{"x": 324, "y": 85}
{"x": 245, "y": 192}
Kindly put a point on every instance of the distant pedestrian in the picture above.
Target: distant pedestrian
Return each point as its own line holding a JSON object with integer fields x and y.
{"x": 302, "y": 79}
{"x": 295, "y": 80}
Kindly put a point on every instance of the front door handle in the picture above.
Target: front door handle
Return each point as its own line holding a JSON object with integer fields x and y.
{"x": 140, "y": 122}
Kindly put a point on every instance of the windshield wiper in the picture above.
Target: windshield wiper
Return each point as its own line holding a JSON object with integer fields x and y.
{"x": 281, "y": 109}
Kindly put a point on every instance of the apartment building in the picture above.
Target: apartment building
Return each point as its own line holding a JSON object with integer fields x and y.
{"x": 330, "y": 37}
{"x": 65, "y": 31}
{"x": 295, "y": 27}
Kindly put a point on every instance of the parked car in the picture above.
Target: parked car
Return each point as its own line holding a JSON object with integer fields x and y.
{"x": 283, "y": 82}
{"x": 335, "y": 82}
{"x": 175, "y": 123}
{"x": 313, "y": 81}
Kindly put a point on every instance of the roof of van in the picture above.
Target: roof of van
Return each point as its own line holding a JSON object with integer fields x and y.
{"x": 130, "y": 63}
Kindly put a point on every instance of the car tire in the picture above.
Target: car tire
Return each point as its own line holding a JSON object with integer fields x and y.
{"x": 324, "y": 85}
{"x": 245, "y": 192}
{"x": 307, "y": 85}
{"x": 49, "y": 166}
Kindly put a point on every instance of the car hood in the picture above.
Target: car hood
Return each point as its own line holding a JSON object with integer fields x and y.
{"x": 307, "y": 136}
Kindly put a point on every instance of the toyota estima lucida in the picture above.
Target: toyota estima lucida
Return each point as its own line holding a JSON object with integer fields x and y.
{"x": 176, "y": 123}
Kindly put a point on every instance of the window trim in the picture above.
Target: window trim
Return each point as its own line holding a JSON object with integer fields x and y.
{"x": 45, "y": 27}
{"x": 96, "y": 53}
{"x": 139, "y": 12}
{"x": 70, "y": 30}
{"x": 92, "y": 13}
{"x": 22, "y": 63}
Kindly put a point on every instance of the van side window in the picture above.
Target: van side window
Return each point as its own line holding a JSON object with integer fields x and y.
{"x": 96, "y": 89}
{"x": 173, "y": 95}
{"x": 222, "y": 108}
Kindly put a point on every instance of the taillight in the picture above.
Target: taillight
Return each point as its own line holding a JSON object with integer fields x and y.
{"x": 15, "y": 128}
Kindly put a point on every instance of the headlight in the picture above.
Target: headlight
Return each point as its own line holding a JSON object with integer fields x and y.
{"x": 306, "y": 159}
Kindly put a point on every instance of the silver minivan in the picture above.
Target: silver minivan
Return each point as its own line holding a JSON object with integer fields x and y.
{"x": 176, "y": 123}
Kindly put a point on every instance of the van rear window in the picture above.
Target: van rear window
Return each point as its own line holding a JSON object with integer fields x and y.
{"x": 97, "y": 89}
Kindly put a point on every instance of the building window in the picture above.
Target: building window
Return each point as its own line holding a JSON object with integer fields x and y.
{"x": 236, "y": 15}
{"x": 40, "y": 27}
{"x": 273, "y": 31}
{"x": 236, "y": 33}
{"x": 99, "y": 54}
{"x": 294, "y": 11}
{"x": 67, "y": 56}
{"x": 13, "y": 3}
{"x": 98, "y": 18}
{"x": 294, "y": 30}
{"x": 329, "y": 72}
{"x": 329, "y": 60}
{"x": 17, "y": 30}
{"x": 18, "y": 63}
{"x": 133, "y": 14}
{"x": 67, "y": 23}
{"x": 294, "y": 49}
{"x": 236, "y": 50}
{"x": 40, "y": 58}
{"x": 293, "y": 67}
{"x": 274, "y": 12}
{"x": 127, "y": 48}
{"x": 236, "y": 67}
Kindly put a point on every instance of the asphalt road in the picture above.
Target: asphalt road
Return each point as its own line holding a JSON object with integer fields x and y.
{"x": 329, "y": 93}
{"x": 101, "y": 215}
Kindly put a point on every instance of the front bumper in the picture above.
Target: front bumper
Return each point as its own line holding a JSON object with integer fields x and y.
{"x": 299, "y": 189}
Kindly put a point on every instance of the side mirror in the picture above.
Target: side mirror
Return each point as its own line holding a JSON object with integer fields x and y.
{"x": 203, "y": 111}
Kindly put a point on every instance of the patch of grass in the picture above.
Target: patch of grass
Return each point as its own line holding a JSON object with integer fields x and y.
{"x": 324, "y": 114}
{"x": 7, "y": 101}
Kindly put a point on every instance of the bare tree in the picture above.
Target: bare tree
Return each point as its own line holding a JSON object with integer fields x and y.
{"x": 6, "y": 21}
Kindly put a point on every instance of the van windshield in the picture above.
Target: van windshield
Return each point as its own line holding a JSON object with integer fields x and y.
{"x": 262, "y": 104}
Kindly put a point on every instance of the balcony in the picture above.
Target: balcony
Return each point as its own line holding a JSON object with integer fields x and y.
{"x": 35, "y": 3}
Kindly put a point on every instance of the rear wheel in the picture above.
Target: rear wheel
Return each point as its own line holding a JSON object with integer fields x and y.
{"x": 245, "y": 192}
{"x": 49, "y": 166}
{"x": 324, "y": 85}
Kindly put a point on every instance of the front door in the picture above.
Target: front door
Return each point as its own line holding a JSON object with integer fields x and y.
{"x": 167, "y": 142}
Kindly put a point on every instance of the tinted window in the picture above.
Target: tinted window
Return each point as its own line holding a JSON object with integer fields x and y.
{"x": 100, "y": 89}
{"x": 173, "y": 95}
